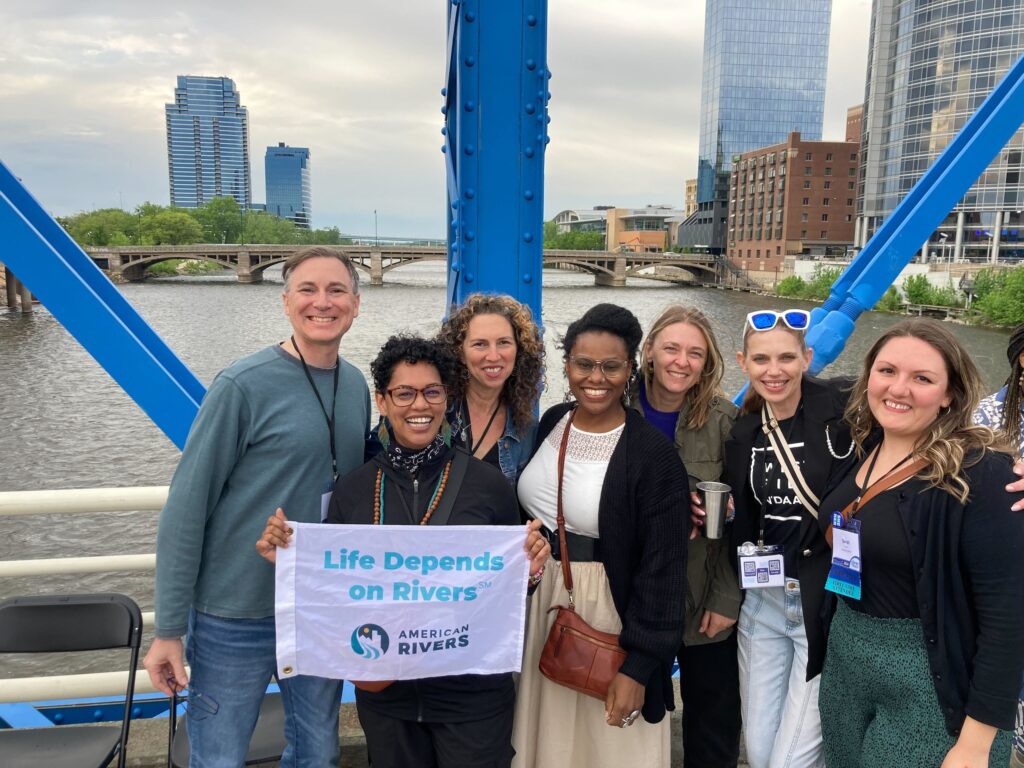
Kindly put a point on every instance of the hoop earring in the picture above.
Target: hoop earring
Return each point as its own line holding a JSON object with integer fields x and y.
{"x": 943, "y": 412}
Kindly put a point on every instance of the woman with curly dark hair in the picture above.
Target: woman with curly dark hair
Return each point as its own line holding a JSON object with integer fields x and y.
{"x": 499, "y": 357}
{"x": 622, "y": 492}
{"x": 419, "y": 479}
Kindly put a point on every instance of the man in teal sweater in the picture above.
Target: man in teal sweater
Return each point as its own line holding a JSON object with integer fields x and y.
{"x": 275, "y": 430}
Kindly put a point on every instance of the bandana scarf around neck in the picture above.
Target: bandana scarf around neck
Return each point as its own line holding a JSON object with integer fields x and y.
{"x": 410, "y": 460}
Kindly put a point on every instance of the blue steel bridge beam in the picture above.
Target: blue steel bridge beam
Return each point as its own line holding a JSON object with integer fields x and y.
{"x": 892, "y": 247}
{"x": 93, "y": 310}
{"x": 496, "y": 95}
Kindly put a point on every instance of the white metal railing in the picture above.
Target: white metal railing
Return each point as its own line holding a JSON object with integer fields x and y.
{"x": 77, "y": 501}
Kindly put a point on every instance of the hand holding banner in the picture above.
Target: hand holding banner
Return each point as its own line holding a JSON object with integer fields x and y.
{"x": 362, "y": 602}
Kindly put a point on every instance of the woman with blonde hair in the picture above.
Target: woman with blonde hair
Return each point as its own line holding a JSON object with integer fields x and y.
{"x": 679, "y": 392}
{"x": 499, "y": 377}
{"x": 926, "y": 647}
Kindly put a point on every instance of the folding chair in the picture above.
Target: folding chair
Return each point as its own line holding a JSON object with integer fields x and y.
{"x": 55, "y": 623}
{"x": 267, "y": 741}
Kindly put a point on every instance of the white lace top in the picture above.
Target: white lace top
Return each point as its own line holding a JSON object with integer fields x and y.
{"x": 586, "y": 461}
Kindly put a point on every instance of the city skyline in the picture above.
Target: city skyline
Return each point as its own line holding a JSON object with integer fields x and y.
{"x": 624, "y": 111}
{"x": 289, "y": 186}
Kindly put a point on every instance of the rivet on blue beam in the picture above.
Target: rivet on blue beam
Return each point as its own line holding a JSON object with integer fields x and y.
{"x": 470, "y": 105}
{"x": 470, "y": 234}
{"x": 470, "y": 193}
{"x": 527, "y": 278}
{"x": 547, "y": 118}
{"x": 528, "y": 194}
{"x": 470, "y": 17}
{"x": 531, "y": 20}
{"x": 455, "y": 205}
{"x": 547, "y": 74}
{"x": 444, "y": 91}
{"x": 540, "y": 137}
{"x": 528, "y": 237}
{"x": 455, "y": 223}
{"x": 444, "y": 130}
{"x": 444, "y": 110}
{"x": 470, "y": 61}
{"x": 444, "y": 149}
{"x": 528, "y": 152}
{"x": 530, "y": 109}
{"x": 470, "y": 149}
{"x": 547, "y": 139}
{"x": 531, "y": 64}
{"x": 470, "y": 277}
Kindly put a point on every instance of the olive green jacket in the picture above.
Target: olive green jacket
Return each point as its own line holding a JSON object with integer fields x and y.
{"x": 711, "y": 583}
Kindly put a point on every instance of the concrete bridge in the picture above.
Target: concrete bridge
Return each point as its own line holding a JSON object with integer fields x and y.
{"x": 250, "y": 261}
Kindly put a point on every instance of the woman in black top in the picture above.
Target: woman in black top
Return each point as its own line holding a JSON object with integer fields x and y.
{"x": 925, "y": 663}
{"x": 452, "y": 721}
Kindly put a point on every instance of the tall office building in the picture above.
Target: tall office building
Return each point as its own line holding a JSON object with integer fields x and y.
{"x": 930, "y": 65}
{"x": 288, "y": 188}
{"x": 763, "y": 77}
{"x": 207, "y": 142}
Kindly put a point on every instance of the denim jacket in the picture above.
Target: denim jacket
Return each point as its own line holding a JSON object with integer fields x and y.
{"x": 514, "y": 449}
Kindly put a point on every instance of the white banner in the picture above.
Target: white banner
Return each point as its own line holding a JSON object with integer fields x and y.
{"x": 366, "y": 602}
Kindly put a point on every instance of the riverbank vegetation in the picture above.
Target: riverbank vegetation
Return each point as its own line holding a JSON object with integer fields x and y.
{"x": 993, "y": 297}
{"x": 572, "y": 241}
{"x": 219, "y": 221}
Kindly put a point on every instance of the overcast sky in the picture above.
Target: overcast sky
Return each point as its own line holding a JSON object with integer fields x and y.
{"x": 83, "y": 87}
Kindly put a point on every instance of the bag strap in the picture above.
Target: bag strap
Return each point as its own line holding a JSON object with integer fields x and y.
{"x": 788, "y": 462}
{"x": 874, "y": 489}
{"x": 562, "y": 545}
{"x": 460, "y": 460}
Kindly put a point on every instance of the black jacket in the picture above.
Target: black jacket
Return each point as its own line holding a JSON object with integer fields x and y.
{"x": 484, "y": 498}
{"x": 969, "y": 561}
{"x": 644, "y": 522}
{"x": 823, "y": 404}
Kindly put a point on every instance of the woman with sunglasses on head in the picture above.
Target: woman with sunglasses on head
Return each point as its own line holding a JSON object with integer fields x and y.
{"x": 788, "y": 440}
{"x": 926, "y": 646}
{"x": 624, "y": 494}
{"x": 499, "y": 375}
{"x": 419, "y": 479}
{"x": 679, "y": 392}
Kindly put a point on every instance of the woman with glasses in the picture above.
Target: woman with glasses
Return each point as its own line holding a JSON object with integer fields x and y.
{"x": 679, "y": 392}
{"x": 788, "y": 440}
{"x": 624, "y": 496}
{"x": 419, "y": 479}
{"x": 926, "y": 645}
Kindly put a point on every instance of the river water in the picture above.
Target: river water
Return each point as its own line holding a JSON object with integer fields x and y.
{"x": 65, "y": 424}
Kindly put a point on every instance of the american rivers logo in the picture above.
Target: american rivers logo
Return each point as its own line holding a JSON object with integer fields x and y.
{"x": 370, "y": 641}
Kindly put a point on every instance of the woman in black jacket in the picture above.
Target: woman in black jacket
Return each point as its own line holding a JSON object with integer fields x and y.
{"x": 925, "y": 657}
{"x": 452, "y": 721}
{"x": 625, "y": 498}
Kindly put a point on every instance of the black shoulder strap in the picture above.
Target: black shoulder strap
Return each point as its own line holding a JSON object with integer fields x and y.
{"x": 460, "y": 460}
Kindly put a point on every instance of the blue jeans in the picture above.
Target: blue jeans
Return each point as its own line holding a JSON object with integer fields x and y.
{"x": 782, "y": 728}
{"x": 232, "y": 661}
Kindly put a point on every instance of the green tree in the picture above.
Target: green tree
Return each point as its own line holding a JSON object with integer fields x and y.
{"x": 107, "y": 226}
{"x": 791, "y": 286}
{"x": 821, "y": 282}
{"x": 1005, "y": 305}
{"x": 550, "y": 232}
{"x": 172, "y": 227}
{"x": 221, "y": 219}
{"x": 890, "y": 301}
{"x": 988, "y": 281}
{"x": 917, "y": 289}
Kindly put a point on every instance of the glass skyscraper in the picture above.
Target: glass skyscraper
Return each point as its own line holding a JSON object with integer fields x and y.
{"x": 207, "y": 142}
{"x": 288, "y": 187}
{"x": 930, "y": 65}
{"x": 763, "y": 77}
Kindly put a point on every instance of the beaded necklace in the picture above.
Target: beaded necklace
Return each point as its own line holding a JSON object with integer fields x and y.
{"x": 378, "y": 496}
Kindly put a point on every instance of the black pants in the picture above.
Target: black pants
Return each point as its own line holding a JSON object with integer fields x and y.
{"x": 709, "y": 681}
{"x": 394, "y": 743}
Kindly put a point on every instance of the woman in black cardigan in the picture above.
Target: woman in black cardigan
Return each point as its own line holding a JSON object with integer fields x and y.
{"x": 625, "y": 495}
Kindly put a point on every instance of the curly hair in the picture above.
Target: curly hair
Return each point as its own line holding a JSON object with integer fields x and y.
{"x": 951, "y": 442}
{"x": 709, "y": 386}
{"x": 405, "y": 348}
{"x": 523, "y": 387}
{"x": 1010, "y": 423}
{"x": 606, "y": 318}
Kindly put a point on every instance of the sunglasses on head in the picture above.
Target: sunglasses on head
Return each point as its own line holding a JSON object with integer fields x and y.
{"x": 766, "y": 319}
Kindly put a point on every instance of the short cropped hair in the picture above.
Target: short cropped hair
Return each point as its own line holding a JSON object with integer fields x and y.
{"x": 606, "y": 318}
{"x": 320, "y": 252}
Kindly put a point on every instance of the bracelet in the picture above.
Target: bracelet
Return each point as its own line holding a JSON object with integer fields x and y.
{"x": 534, "y": 579}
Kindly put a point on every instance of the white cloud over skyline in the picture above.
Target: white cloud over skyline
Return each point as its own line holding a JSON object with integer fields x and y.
{"x": 83, "y": 88}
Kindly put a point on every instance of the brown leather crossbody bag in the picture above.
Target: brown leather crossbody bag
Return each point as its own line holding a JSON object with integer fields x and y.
{"x": 575, "y": 654}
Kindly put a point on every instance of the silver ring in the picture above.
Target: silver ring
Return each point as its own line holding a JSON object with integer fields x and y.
{"x": 631, "y": 717}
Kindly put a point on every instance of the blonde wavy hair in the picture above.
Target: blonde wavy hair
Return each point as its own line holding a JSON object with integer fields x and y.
{"x": 752, "y": 401}
{"x": 523, "y": 387}
{"x": 951, "y": 442}
{"x": 708, "y": 389}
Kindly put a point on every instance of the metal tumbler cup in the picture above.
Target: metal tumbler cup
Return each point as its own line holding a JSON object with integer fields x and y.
{"x": 716, "y": 505}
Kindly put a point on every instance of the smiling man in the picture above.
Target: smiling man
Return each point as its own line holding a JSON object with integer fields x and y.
{"x": 275, "y": 430}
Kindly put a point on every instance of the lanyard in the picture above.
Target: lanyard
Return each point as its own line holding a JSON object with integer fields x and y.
{"x": 469, "y": 426}
{"x": 329, "y": 419}
{"x": 767, "y": 478}
{"x": 862, "y": 489}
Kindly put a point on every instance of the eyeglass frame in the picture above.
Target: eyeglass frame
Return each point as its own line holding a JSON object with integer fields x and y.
{"x": 571, "y": 360}
{"x": 779, "y": 316}
{"x": 417, "y": 391}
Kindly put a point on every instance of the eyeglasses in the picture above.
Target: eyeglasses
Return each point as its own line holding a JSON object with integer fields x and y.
{"x": 585, "y": 366}
{"x": 766, "y": 319}
{"x": 434, "y": 394}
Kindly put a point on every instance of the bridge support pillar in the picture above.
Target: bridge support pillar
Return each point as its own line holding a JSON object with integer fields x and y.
{"x": 244, "y": 270}
{"x": 26, "y": 298}
{"x": 376, "y": 267}
{"x": 11, "y": 288}
{"x": 616, "y": 280}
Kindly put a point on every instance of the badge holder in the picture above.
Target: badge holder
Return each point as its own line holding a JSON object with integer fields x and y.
{"x": 761, "y": 566}
{"x": 844, "y": 576}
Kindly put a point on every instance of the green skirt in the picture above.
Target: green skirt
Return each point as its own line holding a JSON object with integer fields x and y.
{"x": 877, "y": 701}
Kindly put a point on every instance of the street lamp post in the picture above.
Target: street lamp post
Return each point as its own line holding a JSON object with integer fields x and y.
{"x": 376, "y": 238}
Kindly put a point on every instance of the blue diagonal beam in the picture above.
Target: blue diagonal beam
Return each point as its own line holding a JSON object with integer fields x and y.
{"x": 892, "y": 247}
{"x": 93, "y": 310}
